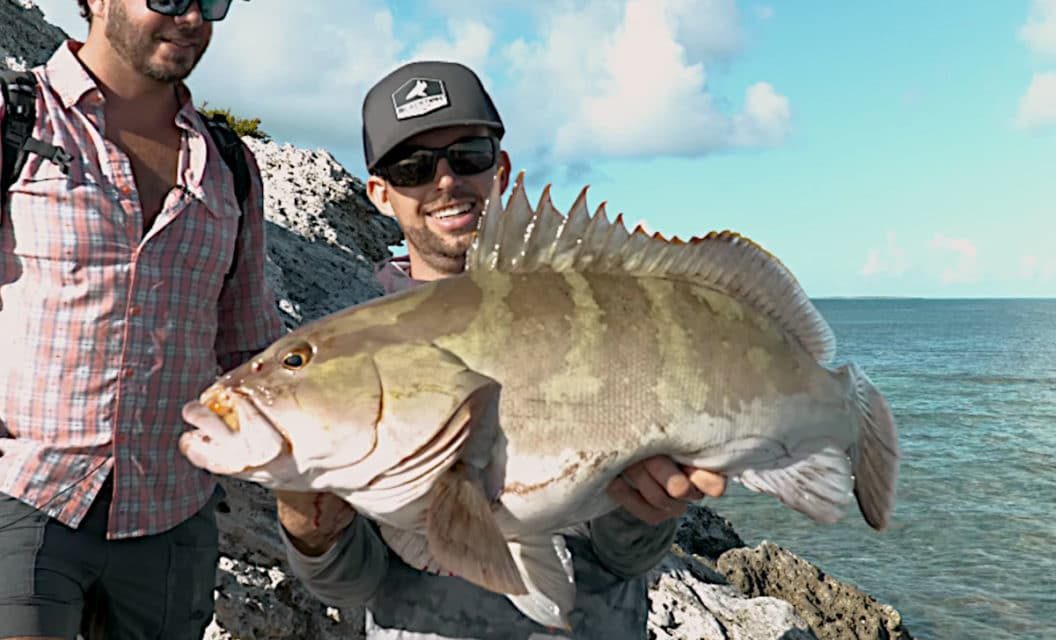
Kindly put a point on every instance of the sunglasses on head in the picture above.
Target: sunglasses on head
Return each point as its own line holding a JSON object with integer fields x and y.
{"x": 212, "y": 10}
{"x": 415, "y": 166}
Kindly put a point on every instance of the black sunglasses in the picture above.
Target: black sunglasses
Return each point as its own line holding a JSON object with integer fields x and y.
{"x": 212, "y": 10}
{"x": 415, "y": 166}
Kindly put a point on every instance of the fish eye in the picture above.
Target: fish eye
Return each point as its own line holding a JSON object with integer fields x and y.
{"x": 297, "y": 357}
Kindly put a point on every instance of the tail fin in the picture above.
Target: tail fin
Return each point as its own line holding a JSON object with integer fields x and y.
{"x": 876, "y": 454}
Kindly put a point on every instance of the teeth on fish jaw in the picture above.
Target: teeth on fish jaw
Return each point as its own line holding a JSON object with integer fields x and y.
{"x": 220, "y": 404}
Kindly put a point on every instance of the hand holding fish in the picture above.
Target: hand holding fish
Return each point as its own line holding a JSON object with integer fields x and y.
{"x": 313, "y": 521}
{"x": 657, "y": 489}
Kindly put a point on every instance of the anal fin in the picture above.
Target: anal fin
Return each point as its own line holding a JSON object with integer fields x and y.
{"x": 820, "y": 485}
{"x": 546, "y": 565}
{"x": 464, "y": 537}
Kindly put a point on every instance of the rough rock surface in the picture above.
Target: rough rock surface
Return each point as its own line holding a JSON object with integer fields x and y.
{"x": 26, "y": 39}
{"x": 256, "y": 598}
{"x": 323, "y": 237}
{"x": 835, "y": 610}
{"x": 687, "y": 599}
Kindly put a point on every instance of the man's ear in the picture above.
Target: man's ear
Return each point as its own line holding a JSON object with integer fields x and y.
{"x": 378, "y": 192}
{"x": 98, "y": 10}
{"x": 504, "y": 167}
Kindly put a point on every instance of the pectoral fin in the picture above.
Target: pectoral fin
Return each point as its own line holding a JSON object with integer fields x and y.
{"x": 464, "y": 537}
{"x": 412, "y": 548}
{"x": 463, "y": 540}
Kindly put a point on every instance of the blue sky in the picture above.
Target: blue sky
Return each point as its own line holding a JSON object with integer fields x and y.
{"x": 894, "y": 149}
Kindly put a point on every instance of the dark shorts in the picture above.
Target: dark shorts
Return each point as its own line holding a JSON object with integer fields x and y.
{"x": 53, "y": 578}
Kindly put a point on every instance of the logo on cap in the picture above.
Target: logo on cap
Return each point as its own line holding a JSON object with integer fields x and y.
{"x": 419, "y": 96}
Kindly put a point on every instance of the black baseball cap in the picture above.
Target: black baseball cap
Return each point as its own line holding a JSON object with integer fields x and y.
{"x": 420, "y": 96}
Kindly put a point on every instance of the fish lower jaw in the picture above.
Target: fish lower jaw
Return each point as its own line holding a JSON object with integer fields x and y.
{"x": 200, "y": 449}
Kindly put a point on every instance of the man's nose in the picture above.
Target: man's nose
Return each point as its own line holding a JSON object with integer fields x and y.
{"x": 444, "y": 178}
{"x": 193, "y": 16}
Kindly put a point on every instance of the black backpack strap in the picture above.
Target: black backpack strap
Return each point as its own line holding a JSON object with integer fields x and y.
{"x": 234, "y": 154}
{"x": 19, "y": 90}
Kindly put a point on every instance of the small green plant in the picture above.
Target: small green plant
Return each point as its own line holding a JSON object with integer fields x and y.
{"x": 241, "y": 126}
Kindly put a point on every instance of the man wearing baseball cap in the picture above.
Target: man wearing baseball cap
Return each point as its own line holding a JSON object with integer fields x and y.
{"x": 431, "y": 141}
{"x": 431, "y": 137}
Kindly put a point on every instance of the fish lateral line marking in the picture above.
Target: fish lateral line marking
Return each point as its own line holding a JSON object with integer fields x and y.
{"x": 520, "y": 488}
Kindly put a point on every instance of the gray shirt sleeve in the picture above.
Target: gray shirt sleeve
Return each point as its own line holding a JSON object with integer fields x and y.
{"x": 628, "y": 547}
{"x": 349, "y": 573}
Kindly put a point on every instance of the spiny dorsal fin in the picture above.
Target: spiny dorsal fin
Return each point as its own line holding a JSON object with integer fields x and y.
{"x": 517, "y": 239}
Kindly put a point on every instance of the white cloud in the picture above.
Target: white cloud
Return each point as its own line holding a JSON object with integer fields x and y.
{"x": 767, "y": 117}
{"x": 1040, "y": 30}
{"x": 586, "y": 80}
{"x": 1037, "y": 108}
{"x": 708, "y": 29}
{"x": 304, "y": 84}
{"x": 890, "y": 260}
{"x": 1032, "y": 268}
{"x": 301, "y": 67}
{"x": 632, "y": 82}
{"x": 966, "y": 268}
{"x": 308, "y": 83}
{"x": 472, "y": 8}
{"x": 470, "y": 43}
{"x": 304, "y": 67}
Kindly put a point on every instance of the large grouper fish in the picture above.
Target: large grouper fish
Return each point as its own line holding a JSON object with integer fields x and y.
{"x": 475, "y": 417}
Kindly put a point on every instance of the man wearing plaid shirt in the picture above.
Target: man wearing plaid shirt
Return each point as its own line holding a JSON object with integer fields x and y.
{"x": 115, "y": 309}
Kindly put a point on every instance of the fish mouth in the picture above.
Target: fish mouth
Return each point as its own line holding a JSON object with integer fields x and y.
{"x": 221, "y": 403}
{"x": 230, "y": 436}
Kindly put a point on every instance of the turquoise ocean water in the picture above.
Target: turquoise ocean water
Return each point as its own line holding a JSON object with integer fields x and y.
{"x": 972, "y": 550}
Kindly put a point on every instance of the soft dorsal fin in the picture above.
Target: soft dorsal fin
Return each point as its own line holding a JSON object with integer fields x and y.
{"x": 519, "y": 239}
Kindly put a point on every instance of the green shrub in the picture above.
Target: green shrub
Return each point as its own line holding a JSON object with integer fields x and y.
{"x": 241, "y": 126}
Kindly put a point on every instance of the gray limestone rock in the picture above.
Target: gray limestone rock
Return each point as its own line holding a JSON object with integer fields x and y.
{"x": 256, "y": 597}
{"x": 26, "y": 39}
{"x": 324, "y": 236}
{"x": 834, "y": 609}
{"x": 688, "y": 600}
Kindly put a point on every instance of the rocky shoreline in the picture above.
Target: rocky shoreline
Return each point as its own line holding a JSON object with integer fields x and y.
{"x": 323, "y": 237}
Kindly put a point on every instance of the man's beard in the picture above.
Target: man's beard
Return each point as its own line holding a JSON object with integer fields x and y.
{"x": 137, "y": 48}
{"x": 445, "y": 254}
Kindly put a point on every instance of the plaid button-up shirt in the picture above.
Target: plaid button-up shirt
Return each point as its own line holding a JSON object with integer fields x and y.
{"x": 108, "y": 331}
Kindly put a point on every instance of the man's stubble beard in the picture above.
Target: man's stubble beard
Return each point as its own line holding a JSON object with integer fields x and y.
{"x": 136, "y": 48}
{"x": 442, "y": 255}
